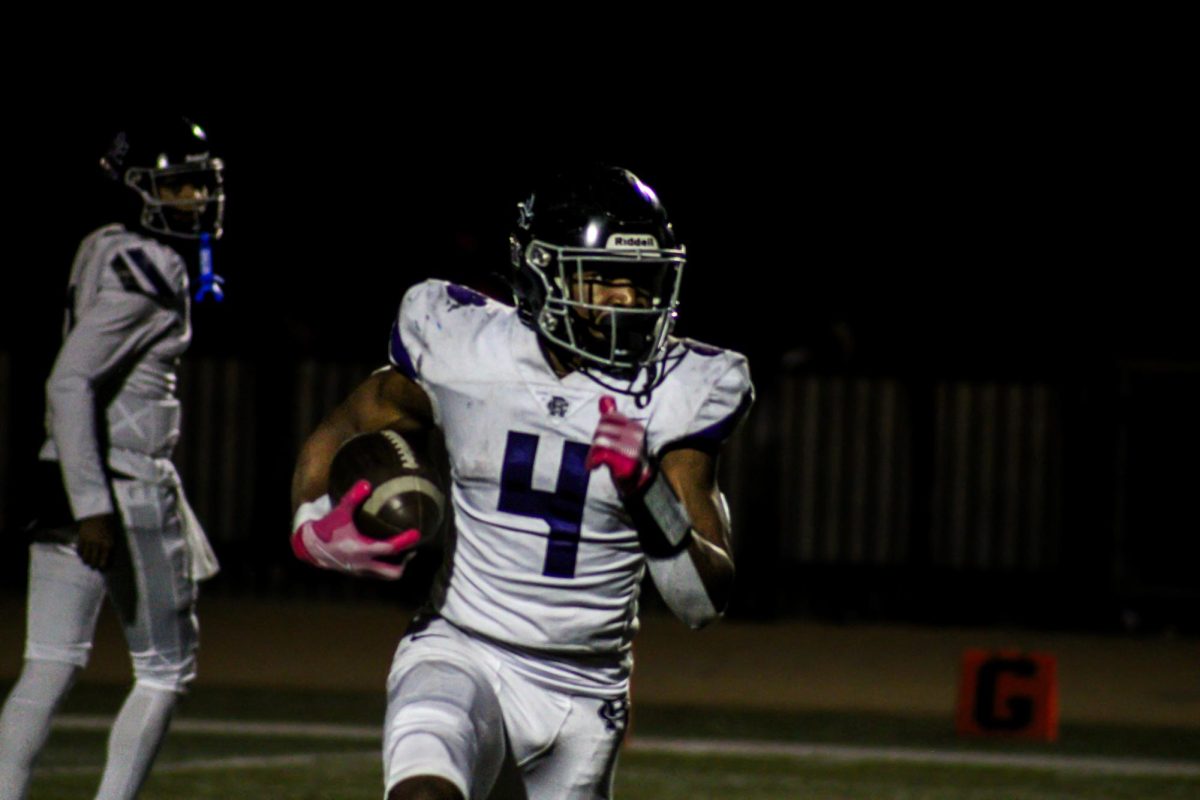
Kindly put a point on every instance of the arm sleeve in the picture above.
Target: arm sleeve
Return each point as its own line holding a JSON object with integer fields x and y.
{"x": 106, "y": 338}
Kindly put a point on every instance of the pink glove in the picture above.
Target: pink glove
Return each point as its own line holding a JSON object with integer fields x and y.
{"x": 620, "y": 443}
{"x": 331, "y": 541}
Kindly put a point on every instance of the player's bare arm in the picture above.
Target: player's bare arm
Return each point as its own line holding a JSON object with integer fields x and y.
{"x": 324, "y": 530}
{"x": 676, "y": 511}
{"x": 386, "y": 399}
{"x": 693, "y": 476}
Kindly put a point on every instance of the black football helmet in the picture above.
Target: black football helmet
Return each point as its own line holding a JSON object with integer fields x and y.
{"x": 599, "y": 224}
{"x": 170, "y": 165}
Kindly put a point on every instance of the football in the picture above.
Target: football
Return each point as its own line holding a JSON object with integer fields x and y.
{"x": 406, "y": 491}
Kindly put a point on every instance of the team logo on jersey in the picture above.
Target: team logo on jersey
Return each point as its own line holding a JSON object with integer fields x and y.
{"x": 631, "y": 241}
{"x": 615, "y": 714}
{"x": 557, "y": 406}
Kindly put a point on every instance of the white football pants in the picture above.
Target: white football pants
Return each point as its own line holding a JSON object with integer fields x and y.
{"x": 460, "y": 710}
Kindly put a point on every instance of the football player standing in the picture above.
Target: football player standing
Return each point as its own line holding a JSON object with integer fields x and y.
{"x": 582, "y": 439}
{"x": 112, "y": 517}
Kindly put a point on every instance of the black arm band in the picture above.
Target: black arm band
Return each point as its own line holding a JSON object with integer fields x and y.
{"x": 660, "y": 518}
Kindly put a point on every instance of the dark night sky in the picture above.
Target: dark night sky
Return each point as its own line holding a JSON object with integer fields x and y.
{"x": 986, "y": 211}
{"x": 1024, "y": 228}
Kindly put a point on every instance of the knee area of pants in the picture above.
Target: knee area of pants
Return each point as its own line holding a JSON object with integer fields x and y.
{"x": 431, "y": 738}
{"x": 154, "y": 674}
{"x": 423, "y": 753}
{"x": 76, "y": 655}
{"x": 425, "y": 787}
{"x": 157, "y": 687}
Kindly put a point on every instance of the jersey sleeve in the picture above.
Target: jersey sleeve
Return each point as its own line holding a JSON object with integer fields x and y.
{"x": 712, "y": 414}
{"x": 123, "y": 320}
{"x": 430, "y": 326}
{"x": 410, "y": 341}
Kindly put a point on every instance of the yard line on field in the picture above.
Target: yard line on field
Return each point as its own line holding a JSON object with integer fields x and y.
{"x": 763, "y": 749}
{"x": 232, "y": 762}
{"x": 222, "y": 727}
{"x": 726, "y": 747}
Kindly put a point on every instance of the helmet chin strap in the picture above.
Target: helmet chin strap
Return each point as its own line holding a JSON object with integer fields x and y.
{"x": 640, "y": 396}
{"x": 637, "y": 381}
{"x": 650, "y": 375}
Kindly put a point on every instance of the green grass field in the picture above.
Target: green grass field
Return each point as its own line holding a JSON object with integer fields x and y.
{"x": 212, "y": 753}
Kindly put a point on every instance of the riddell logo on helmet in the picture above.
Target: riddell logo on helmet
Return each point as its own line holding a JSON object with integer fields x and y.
{"x": 631, "y": 241}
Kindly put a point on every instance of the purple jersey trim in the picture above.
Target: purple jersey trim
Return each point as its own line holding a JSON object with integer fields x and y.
{"x": 399, "y": 355}
{"x": 125, "y": 275}
{"x": 464, "y": 296}
{"x": 144, "y": 265}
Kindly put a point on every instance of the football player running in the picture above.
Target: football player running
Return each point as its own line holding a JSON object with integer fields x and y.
{"x": 112, "y": 517}
{"x": 582, "y": 440}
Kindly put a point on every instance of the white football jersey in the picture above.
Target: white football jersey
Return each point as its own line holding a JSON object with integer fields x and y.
{"x": 544, "y": 556}
{"x": 125, "y": 329}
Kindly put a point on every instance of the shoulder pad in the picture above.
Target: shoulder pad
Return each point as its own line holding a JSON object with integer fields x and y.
{"x": 431, "y": 319}
{"x": 701, "y": 349}
{"x": 707, "y": 397}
